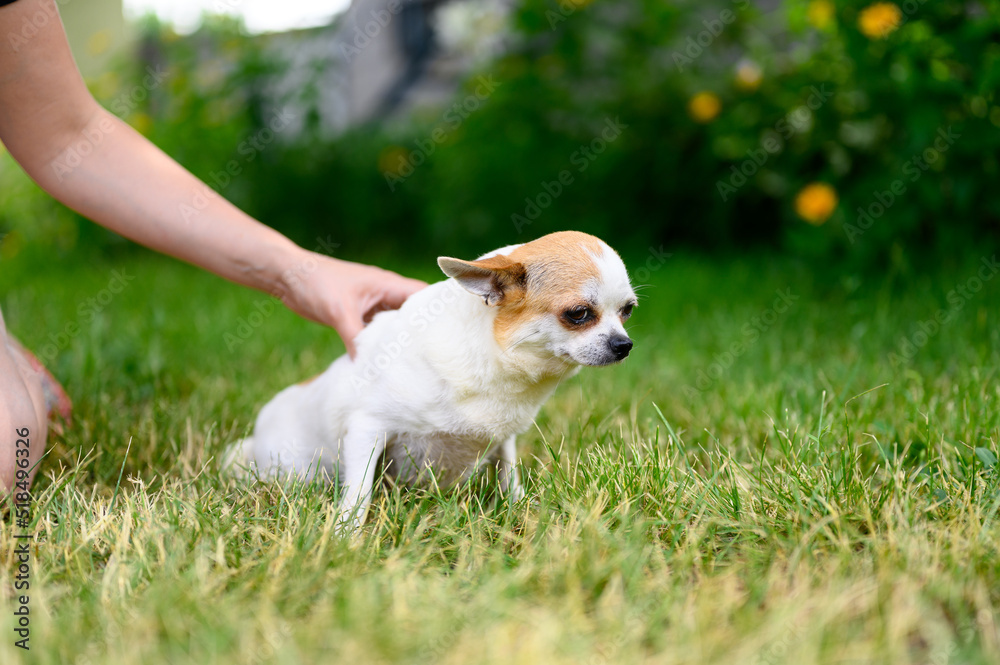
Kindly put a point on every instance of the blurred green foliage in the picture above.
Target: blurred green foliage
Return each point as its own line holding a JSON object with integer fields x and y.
{"x": 726, "y": 112}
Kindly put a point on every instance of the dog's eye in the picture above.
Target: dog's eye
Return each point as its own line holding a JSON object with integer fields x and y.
{"x": 578, "y": 314}
{"x": 627, "y": 311}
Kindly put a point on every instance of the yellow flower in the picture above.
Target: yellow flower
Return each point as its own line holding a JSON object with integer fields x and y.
{"x": 878, "y": 20}
{"x": 704, "y": 106}
{"x": 748, "y": 75}
{"x": 820, "y": 13}
{"x": 393, "y": 160}
{"x": 142, "y": 123}
{"x": 10, "y": 245}
{"x": 99, "y": 42}
{"x": 105, "y": 86}
{"x": 816, "y": 202}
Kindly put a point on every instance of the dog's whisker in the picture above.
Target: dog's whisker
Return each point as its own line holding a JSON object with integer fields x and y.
{"x": 513, "y": 345}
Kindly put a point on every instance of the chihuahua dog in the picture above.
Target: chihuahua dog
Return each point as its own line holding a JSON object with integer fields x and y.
{"x": 445, "y": 384}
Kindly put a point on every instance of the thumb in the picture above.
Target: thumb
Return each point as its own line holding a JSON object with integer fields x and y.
{"x": 349, "y": 327}
{"x": 352, "y": 349}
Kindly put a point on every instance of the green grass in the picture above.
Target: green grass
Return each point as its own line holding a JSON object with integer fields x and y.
{"x": 819, "y": 502}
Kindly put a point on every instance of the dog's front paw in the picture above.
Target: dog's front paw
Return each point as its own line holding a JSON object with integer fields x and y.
{"x": 350, "y": 518}
{"x": 238, "y": 460}
{"x": 513, "y": 493}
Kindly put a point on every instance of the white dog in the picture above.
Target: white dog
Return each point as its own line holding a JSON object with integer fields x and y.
{"x": 445, "y": 384}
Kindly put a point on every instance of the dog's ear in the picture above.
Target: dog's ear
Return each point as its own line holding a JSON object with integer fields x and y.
{"x": 492, "y": 279}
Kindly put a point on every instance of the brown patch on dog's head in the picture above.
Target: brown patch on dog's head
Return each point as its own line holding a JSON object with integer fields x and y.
{"x": 559, "y": 267}
{"x": 563, "y": 298}
{"x": 546, "y": 276}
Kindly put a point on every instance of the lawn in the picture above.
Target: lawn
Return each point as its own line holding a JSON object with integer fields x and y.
{"x": 794, "y": 466}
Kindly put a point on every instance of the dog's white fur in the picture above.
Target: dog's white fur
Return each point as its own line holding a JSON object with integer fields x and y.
{"x": 446, "y": 383}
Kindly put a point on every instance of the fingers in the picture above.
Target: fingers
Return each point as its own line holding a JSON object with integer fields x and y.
{"x": 392, "y": 296}
{"x": 348, "y": 330}
{"x": 347, "y": 334}
{"x": 363, "y": 292}
{"x": 401, "y": 289}
{"x": 414, "y": 285}
{"x": 348, "y": 325}
{"x": 380, "y": 306}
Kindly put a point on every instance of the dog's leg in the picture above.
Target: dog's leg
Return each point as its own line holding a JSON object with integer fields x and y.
{"x": 359, "y": 457}
{"x": 510, "y": 480}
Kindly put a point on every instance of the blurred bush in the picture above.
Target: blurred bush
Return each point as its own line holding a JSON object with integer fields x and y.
{"x": 854, "y": 130}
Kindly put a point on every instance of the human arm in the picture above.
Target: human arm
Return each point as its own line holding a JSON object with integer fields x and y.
{"x": 125, "y": 183}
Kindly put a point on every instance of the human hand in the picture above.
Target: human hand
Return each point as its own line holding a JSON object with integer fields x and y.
{"x": 341, "y": 294}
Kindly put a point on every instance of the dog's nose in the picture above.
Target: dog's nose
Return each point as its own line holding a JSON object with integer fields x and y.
{"x": 620, "y": 346}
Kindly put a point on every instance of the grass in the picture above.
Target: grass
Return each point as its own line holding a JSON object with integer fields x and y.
{"x": 814, "y": 498}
